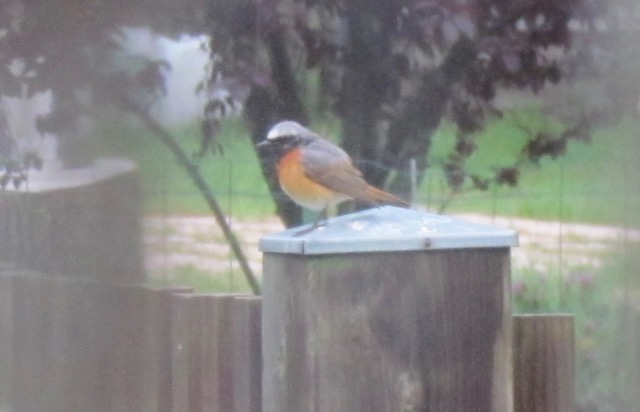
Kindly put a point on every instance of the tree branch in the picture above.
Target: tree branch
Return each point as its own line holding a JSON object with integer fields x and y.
{"x": 264, "y": 107}
{"x": 195, "y": 175}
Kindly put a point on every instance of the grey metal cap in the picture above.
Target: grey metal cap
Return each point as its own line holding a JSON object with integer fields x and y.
{"x": 54, "y": 177}
{"x": 387, "y": 229}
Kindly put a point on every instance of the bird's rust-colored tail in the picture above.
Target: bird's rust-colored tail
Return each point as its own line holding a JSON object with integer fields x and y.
{"x": 377, "y": 196}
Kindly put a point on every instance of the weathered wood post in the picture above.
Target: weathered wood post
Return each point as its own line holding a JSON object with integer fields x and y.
{"x": 544, "y": 363}
{"x": 388, "y": 310}
{"x": 82, "y": 223}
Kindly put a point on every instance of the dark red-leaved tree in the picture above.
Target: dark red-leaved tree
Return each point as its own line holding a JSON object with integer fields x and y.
{"x": 391, "y": 71}
{"x": 74, "y": 50}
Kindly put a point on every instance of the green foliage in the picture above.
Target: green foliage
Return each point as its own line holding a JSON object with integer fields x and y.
{"x": 607, "y": 318}
{"x": 591, "y": 183}
{"x": 234, "y": 175}
{"x": 202, "y": 280}
{"x": 622, "y": 355}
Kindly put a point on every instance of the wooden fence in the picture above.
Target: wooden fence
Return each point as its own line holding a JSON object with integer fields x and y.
{"x": 85, "y": 224}
{"x": 75, "y": 345}
{"x": 82, "y": 338}
{"x": 79, "y": 345}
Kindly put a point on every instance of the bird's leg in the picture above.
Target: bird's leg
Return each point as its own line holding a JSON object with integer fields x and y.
{"x": 321, "y": 216}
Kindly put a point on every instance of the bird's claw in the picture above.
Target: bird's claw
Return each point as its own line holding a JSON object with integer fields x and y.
{"x": 309, "y": 229}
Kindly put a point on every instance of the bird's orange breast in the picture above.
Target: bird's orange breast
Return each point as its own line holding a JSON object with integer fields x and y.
{"x": 297, "y": 185}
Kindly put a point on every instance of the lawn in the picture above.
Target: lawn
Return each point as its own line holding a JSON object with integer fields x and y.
{"x": 233, "y": 174}
{"x": 594, "y": 182}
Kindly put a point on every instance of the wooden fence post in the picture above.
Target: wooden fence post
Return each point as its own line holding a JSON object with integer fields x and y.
{"x": 203, "y": 352}
{"x": 183, "y": 327}
{"x": 83, "y": 223}
{"x": 27, "y": 335}
{"x": 544, "y": 363}
{"x": 6, "y": 339}
{"x": 247, "y": 354}
{"x": 76, "y": 345}
{"x": 158, "y": 348}
{"x": 217, "y": 350}
{"x": 388, "y": 310}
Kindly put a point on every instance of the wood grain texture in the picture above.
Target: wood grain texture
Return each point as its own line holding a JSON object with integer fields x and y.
{"x": 157, "y": 348}
{"x": 544, "y": 363}
{"x": 247, "y": 354}
{"x": 6, "y": 339}
{"x": 217, "y": 350}
{"x": 89, "y": 232}
{"x": 203, "y": 352}
{"x": 410, "y": 331}
{"x": 182, "y": 338}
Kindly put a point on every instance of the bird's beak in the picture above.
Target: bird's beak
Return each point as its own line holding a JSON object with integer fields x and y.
{"x": 262, "y": 144}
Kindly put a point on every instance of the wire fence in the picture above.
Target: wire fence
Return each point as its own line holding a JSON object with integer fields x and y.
{"x": 194, "y": 246}
{"x": 555, "y": 240}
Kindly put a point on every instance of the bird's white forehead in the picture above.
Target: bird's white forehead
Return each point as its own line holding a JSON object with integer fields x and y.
{"x": 286, "y": 128}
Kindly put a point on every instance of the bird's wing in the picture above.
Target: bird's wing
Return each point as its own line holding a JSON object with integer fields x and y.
{"x": 331, "y": 166}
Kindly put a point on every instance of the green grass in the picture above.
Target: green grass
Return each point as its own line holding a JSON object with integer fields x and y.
{"x": 593, "y": 182}
{"x": 234, "y": 175}
{"x": 604, "y": 303}
{"x": 202, "y": 280}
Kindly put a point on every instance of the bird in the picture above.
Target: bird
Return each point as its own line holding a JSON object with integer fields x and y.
{"x": 317, "y": 174}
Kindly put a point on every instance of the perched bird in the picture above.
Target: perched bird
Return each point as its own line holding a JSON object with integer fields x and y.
{"x": 316, "y": 173}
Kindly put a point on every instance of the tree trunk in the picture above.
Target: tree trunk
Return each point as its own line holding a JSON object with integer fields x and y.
{"x": 259, "y": 111}
{"x": 411, "y": 132}
{"x": 412, "y": 126}
{"x": 377, "y": 144}
{"x": 368, "y": 61}
{"x": 265, "y": 107}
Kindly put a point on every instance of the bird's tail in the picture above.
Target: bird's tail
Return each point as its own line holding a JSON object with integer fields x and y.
{"x": 378, "y": 196}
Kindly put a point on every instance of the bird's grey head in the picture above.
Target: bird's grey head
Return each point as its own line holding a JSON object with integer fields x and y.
{"x": 288, "y": 129}
{"x": 286, "y": 135}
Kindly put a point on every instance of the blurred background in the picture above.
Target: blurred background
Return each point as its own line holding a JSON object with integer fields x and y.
{"x": 521, "y": 114}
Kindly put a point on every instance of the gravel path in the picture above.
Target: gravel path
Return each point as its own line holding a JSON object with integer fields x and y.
{"x": 177, "y": 241}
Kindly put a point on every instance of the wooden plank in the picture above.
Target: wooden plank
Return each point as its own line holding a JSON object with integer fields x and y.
{"x": 63, "y": 356}
{"x": 85, "y": 231}
{"x": 157, "y": 379}
{"x": 43, "y": 307}
{"x": 217, "y": 365}
{"x": 544, "y": 363}
{"x": 388, "y": 332}
{"x": 197, "y": 314}
{"x": 247, "y": 353}
{"x": 151, "y": 343}
{"x": 182, "y": 374}
{"x": 84, "y": 346}
{"x": 26, "y": 390}
{"x": 6, "y": 340}
{"x": 129, "y": 322}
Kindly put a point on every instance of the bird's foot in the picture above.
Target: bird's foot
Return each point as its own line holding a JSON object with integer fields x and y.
{"x": 310, "y": 228}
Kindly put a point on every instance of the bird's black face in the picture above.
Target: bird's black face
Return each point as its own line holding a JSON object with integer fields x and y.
{"x": 278, "y": 147}
{"x": 283, "y": 137}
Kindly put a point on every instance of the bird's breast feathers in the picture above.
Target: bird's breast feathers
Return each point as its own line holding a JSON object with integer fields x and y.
{"x": 296, "y": 184}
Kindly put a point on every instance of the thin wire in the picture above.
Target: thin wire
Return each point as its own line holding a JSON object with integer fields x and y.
{"x": 626, "y": 257}
{"x": 429, "y": 190}
{"x": 494, "y": 203}
{"x": 164, "y": 208}
{"x": 229, "y": 219}
{"x": 561, "y": 230}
